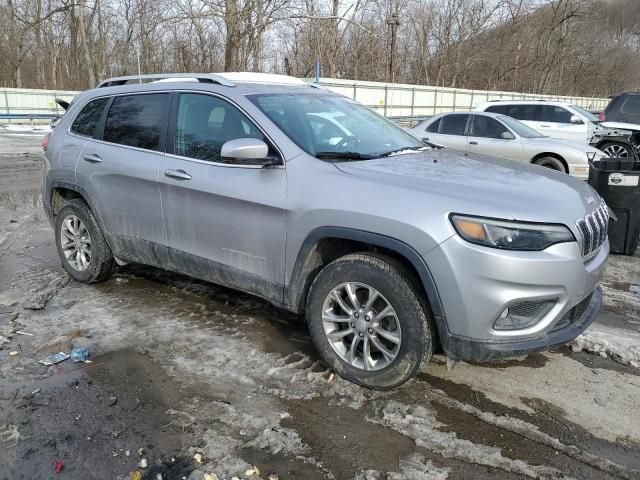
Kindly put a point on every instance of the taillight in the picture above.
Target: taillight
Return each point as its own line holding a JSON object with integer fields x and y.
{"x": 602, "y": 116}
{"x": 45, "y": 142}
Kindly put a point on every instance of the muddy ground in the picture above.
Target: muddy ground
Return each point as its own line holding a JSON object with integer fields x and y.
{"x": 181, "y": 367}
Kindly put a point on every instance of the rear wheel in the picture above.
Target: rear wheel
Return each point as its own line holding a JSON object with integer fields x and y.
{"x": 616, "y": 149}
{"x": 368, "y": 321}
{"x": 82, "y": 247}
{"x": 552, "y": 163}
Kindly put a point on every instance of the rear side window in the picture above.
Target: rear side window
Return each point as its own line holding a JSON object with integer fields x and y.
{"x": 138, "y": 121}
{"x": 433, "y": 128}
{"x": 87, "y": 120}
{"x": 453, "y": 124}
{"x": 519, "y": 112}
{"x": 625, "y": 108}
{"x": 552, "y": 113}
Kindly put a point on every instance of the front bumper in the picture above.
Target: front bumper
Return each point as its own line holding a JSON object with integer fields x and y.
{"x": 475, "y": 284}
{"x": 460, "y": 348}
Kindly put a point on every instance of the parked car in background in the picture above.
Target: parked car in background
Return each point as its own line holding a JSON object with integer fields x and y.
{"x": 389, "y": 248}
{"x": 503, "y": 136}
{"x": 624, "y": 108}
{"x": 570, "y": 122}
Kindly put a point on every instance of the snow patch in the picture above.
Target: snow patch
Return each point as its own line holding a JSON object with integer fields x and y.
{"x": 420, "y": 424}
{"x": 27, "y": 128}
{"x": 413, "y": 467}
{"x": 623, "y": 346}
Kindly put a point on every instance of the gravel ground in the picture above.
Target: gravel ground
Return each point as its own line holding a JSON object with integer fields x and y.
{"x": 180, "y": 367}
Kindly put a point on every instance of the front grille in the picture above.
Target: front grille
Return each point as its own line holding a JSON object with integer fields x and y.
{"x": 594, "y": 229}
{"x": 573, "y": 315}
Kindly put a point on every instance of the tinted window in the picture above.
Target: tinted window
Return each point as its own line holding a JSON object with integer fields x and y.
{"x": 205, "y": 123}
{"x": 625, "y": 108}
{"x": 519, "y": 112}
{"x": 433, "y": 128}
{"x": 453, "y": 124}
{"x": 486, "y": 127}
{"x": 138, "y": 121}
{"x": 552, "y": 113}
{"x": 89, "y": 117}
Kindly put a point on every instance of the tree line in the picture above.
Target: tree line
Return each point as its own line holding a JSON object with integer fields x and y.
{"x": 564, "y": 47}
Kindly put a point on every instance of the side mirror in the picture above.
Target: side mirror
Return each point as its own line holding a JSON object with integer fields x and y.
{"x": 248, "y": 151}
{"x": 576, "y": 120}
{"x": 507, "y": 136}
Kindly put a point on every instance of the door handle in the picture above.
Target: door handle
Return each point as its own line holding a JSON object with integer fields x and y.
{"x": 177, "y": 174}
{"x": 425, "y": 139}
{"x": 472, "y": 142}
{"x": 544, "y": 125}
{"x": 92, "y": 157}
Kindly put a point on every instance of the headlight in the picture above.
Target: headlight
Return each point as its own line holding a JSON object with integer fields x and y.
{"x": 510, "y": 235}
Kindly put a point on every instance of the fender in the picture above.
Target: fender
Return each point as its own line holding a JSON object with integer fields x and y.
{"x": 299, "y": 282}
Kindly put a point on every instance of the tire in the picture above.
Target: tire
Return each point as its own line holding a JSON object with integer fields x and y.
{"x": 99, "y": 265}
{"x": 552, "y": 163}
{"x": 396, "y": 286}
{"x": 616, "y": 149}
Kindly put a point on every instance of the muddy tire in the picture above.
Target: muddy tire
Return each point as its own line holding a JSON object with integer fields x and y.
{"x": 616, "y": 150}
{"x": 368, "y": 320}
{"x": 81, "y": 245}
{"x": 552, "y": 163}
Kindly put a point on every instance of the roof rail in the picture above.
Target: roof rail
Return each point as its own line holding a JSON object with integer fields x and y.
{"x": 200, "y": 77}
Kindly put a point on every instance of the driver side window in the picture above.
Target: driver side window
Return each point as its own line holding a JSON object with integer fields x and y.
{"x": 204, "y": 123}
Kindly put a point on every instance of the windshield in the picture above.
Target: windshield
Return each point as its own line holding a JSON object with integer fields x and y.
{"x": 590, "y": 116}
{"x": 334, "y": 127}
{"x": 519, "y": 127}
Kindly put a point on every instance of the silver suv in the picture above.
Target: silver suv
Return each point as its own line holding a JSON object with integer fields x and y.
{"x": 313, "y": 202}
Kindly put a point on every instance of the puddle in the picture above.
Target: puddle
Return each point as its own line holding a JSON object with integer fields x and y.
{"x": 626, "y": 287}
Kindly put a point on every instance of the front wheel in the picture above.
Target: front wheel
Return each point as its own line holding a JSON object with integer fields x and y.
{"x": 368, "y": 321}
{"x": 616, "y": 150}
{"x": 551, "y": 162}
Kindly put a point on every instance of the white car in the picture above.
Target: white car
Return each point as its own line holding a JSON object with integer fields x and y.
{"x": 570, "y": 122}
{"x": 503, "y": 136}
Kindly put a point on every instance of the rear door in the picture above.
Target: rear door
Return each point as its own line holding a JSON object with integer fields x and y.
{"x": 225, "y": 221}
{"x": 555, "y": 122}
{"x": 486, "y": 137}
{"x": 118, "y": 170}
{"x": 451, "y": 131}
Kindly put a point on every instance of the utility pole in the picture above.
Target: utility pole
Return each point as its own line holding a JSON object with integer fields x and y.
{"x": 393, "y": 21}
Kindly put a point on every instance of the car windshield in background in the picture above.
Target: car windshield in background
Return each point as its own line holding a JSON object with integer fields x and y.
{"x": 590, "y": 116}
{"x": 520, "y": 128}
{"x": 333, "y": 127}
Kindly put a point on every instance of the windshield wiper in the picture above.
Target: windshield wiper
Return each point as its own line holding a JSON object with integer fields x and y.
{"x": 345, "y": 156}
{"x": 400, "y": 150}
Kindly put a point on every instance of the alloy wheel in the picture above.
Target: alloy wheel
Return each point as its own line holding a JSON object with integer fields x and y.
{"x": 616, "y": 151}
{"x": 361, "y": 326}
{"x": 75, "y": 242}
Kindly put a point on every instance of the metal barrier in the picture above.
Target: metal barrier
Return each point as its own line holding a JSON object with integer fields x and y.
{"x": 389, "y": 99}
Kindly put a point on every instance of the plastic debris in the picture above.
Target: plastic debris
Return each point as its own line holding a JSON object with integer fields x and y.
{"x": 273, "y": 476}
{"x": 141, "y": 451}
{"x": 14, "y": 353}
{"x": 80, "y": 354}
{"x": 54, "y": 358}
{"x": 20, "y": 332}
{"x": 198, "y": 457}
{"x": 58, "y": 466}
{"x": 143, "y": 463}
{"x": 255, "y": 471}
{"x": 135, "y": 475}
{"x": 113, "y": 399}
{"x": 210, "y": 476}
{"x": 159, "y": 476}
{"x": 127, "y": 452}
{"x": 330, "y": 379}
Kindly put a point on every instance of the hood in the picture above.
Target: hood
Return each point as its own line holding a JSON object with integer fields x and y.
{"x": 482, "y": 185}
{"x": 549, "y": 142}
{"x": 620, "y": 126}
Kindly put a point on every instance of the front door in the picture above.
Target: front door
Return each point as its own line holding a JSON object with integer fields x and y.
{"x": 555, "y": 122}
{"x": 487, "y": 136}
{"x": 119, "y": 171}
{"x": 225, "y": 222}
{"x": 451, "y": 131}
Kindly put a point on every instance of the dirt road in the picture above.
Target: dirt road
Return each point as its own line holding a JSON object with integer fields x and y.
{"x": 182, "y": 367}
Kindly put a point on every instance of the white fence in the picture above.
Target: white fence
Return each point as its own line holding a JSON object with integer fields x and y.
{"x": 387, "y": 98}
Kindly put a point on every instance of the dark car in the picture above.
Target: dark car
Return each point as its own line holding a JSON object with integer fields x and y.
{"x": 624, "y": 108}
